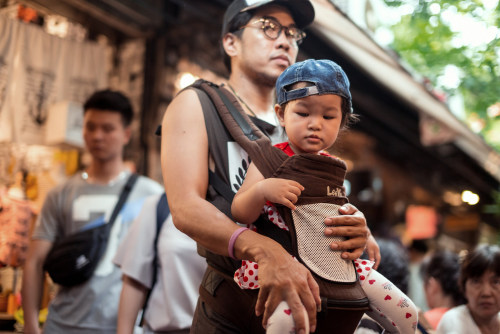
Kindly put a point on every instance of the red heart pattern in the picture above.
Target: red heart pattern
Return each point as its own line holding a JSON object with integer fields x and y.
{"x": 387, "y": 297}
{"x": 288, "y": 311}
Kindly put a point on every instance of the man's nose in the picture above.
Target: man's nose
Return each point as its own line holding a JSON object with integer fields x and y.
{"x": 283, "y": 41}
{"x": 97, "y": 134}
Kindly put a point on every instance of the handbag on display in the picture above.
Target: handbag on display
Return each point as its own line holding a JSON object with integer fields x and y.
{"x": 73, "y": 259}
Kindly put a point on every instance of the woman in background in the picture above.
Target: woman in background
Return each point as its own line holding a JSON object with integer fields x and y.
{"x": 440, "y": 272}
{"x": 480, "y": 283}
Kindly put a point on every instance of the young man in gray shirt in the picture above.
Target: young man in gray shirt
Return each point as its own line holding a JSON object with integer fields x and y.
{"x": 86, "y": 199}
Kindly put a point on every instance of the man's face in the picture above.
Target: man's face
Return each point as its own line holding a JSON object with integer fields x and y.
{"x": 104, "y": 134}
{"x": 261, "y": 57}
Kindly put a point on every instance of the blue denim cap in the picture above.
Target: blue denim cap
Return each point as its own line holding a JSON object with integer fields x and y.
{"x": 327, "y": 76}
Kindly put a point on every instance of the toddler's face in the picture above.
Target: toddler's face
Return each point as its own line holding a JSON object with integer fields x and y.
{"x": 311, "y": 123}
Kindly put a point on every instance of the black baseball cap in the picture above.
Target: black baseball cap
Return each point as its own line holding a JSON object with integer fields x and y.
{"x": 302, "y": 10}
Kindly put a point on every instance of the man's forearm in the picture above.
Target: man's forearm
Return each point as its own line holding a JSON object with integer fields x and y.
{"x": 132, "y": 299}
{"x": 31, "y": 292}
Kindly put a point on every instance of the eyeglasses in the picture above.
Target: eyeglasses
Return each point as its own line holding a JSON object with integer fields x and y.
{"x": 272, "y": 29}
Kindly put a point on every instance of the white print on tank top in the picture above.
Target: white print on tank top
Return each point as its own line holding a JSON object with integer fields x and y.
{"x": 87, "y": 207}
{"x": 238, "y": 161}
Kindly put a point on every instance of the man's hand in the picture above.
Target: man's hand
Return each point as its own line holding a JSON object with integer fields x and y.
{"x": 352, "y": 225}
{"x": 282, "y": 278}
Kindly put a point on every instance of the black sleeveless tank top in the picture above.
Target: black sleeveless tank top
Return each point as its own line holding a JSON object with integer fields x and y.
{"x": 228, "y": 161}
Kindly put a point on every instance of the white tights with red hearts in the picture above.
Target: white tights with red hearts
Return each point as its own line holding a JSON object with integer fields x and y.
{"x": 390, "y": 307}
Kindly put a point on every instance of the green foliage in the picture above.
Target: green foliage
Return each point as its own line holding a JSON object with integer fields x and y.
{"x": 493, "y": 208}
{"x": 425, "y": 40}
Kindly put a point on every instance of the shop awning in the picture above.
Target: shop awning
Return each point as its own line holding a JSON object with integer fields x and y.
{"x": 337, "y": 30}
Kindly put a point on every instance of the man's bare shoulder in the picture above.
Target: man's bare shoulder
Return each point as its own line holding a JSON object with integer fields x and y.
{"x": 186, "y": 101}
{"x": 184, "y": 114}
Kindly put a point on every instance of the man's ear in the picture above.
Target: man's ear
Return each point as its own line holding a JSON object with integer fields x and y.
{"x": 128, "y": 134}
{"x": 280, "y": 114}
{"x": 229, "y": 43}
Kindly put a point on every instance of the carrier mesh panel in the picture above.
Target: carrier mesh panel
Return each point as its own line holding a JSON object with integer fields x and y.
{"x": 314, "y": 246}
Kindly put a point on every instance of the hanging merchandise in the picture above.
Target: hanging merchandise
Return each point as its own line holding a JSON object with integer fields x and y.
{"x": 65, "y": 124}
{"x": 8, "y": 46}
{"x": 15, "y": 222}
{"x": 42, "y": 70}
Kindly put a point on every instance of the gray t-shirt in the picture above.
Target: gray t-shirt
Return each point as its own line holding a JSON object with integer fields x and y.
{"x": 91, "y": 307}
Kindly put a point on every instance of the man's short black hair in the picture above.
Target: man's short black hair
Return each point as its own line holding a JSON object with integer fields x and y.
{"x": 112, "y": 101}
{"x": 234, "y": 26}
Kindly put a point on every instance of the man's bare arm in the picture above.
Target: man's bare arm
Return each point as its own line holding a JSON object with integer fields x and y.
{"x": 185, "y": 173}
{"x": 32, "y": 285}
{"x": 132, "y": 300}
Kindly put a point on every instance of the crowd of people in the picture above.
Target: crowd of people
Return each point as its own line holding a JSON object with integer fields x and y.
{"x": 193, "y": 269}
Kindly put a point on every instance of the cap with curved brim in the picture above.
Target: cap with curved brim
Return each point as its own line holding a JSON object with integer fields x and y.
{"x": 324, "y": 75}
{"x": 302, "y": 10}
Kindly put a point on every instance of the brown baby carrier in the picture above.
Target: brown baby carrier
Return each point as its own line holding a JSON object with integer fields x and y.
{"x": 322, "y": 178}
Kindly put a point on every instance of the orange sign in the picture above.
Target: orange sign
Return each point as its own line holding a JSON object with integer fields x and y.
{"x": 462, "y": 222}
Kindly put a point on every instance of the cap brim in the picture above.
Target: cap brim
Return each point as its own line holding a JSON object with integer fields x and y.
{"x": 302, "y": 11}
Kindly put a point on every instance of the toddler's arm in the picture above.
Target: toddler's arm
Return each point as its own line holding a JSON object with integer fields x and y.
{"x": 256, "y": 190}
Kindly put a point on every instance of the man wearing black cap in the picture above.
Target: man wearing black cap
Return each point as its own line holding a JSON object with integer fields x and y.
{"x": 259, "y": 40}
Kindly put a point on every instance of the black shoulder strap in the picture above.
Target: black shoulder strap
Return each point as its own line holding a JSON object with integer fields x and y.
{"x": 162, "y": 212}
{"x": 220, "y": 186}
{"x": 123, "y": 197}
{"x": 421, "y": 328}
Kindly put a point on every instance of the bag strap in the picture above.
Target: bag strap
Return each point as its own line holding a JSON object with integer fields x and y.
{"x": 123, "y": 197}
{"x": 162, "y": 212}
{"x": 421, "y": 328}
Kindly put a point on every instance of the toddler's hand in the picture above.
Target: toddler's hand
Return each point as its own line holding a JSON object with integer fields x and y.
{"x": 281, "y": 191}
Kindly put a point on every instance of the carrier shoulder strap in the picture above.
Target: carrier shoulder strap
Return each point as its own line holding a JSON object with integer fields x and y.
{"x": 258, "y": 146}
{"x": 162, "y": 212}
{"x": 266, "y": 157}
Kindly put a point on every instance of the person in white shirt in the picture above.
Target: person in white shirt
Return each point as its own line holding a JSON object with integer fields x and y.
{"x": 480, "y": 282}
{"x": 173, "y": 297}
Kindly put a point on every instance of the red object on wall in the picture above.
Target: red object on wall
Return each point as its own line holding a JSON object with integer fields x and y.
{"x": 421, "y": 222}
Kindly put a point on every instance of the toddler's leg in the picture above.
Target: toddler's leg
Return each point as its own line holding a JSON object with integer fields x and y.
{"x": 390, "y": 307}
{"x": 281, "y": 321}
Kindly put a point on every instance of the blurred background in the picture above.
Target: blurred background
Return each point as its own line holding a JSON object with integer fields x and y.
{"x": 423, "y": 162}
